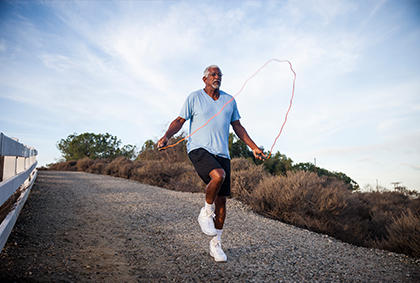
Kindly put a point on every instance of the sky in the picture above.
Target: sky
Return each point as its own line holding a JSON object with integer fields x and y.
{"x": 126, "y": 68}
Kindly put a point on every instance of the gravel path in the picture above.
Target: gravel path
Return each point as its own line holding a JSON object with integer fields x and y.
{"x": 84, "y": 227}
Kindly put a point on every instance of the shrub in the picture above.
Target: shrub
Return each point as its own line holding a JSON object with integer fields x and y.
{"x": 119, "y": 167}
{"x": 63, "y": 166}
{"x": 310, "y": 201}
{"x": 238, "y": 164}
{"x": 387, "y": 220}
{"x": 245, "y": 176}
{"x": 175, "y": 176}
{"x": 97, "y": 166}
{"x": 177, "y": 153}
{"x": 351, "y": 184}
{"x": 83, "y": 164}
{"x": 404, "y": 234}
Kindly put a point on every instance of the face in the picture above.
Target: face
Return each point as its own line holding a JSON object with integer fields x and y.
{"x": 214, "y": 78}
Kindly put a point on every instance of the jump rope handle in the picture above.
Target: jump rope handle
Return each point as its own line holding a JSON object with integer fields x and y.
{"x": 263, "y": 157}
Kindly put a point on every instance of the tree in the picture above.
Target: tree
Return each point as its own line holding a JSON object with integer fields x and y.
{"x": 238, "y": 148}
{"x": 94, "y": 146}
{"x": 278, "y": 164}
{"x": 148, "y": 145}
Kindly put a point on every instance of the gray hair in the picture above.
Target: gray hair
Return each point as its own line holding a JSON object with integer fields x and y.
{"x": 206, "y": 70}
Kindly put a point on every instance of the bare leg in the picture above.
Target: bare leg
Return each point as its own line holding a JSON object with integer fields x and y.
{"x": 220, "y": 212}
{"x": 217, "y": 177}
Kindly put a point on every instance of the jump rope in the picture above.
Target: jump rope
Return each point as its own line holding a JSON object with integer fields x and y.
{"x": 239, "y": 92}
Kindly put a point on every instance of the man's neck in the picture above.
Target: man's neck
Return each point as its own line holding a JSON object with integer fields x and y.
{"x": 212, "y": 92}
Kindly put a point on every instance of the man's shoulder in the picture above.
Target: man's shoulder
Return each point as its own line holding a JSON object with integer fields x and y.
{"x": 194, "y": 94}
{"x": 226, "y": 96}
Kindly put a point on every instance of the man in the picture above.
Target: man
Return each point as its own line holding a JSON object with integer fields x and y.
{"x": 208, "y": 150}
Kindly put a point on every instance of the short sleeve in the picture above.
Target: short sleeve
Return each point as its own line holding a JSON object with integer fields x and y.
{"x": 235, "y": 112}
{"x": 186, "y": 110}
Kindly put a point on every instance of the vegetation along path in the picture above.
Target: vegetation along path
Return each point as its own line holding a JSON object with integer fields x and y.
{"x": 84, "y": 227}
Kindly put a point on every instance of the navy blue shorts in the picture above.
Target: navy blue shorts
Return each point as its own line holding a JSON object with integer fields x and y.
{"x": 204, "y": 162}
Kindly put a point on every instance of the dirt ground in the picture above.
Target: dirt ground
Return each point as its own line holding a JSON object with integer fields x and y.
{"x": 84, "y": 227}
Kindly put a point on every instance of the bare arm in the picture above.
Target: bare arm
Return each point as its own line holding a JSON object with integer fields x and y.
{"x": 174, "y": 128}
{"x": 243, "y": 135}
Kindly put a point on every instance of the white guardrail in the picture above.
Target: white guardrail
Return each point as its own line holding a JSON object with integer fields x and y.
{"x": 17, "y": 175}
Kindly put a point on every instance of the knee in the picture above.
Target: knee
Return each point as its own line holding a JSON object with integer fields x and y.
{"x": 218, "y": 175}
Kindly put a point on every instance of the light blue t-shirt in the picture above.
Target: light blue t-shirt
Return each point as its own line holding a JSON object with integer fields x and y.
{"x": 214, "y": 137}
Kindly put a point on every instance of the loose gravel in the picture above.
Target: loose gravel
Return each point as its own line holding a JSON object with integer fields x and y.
{"x": 84, "y": 227}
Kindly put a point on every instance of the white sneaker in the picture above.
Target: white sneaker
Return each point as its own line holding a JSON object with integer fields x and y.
{"x": 205, "y": 219}
{"x": 216, "y": 251}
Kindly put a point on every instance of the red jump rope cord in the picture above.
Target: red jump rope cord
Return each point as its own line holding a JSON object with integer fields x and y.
{"x": 239, "y": 92}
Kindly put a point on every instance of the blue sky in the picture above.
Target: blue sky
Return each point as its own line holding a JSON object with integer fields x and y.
{"x": 125, "y": 67}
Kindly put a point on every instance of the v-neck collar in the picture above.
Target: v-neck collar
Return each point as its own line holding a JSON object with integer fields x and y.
{"x": 211, "y": 98}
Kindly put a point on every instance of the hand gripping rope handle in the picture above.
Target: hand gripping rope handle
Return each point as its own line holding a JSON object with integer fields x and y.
{"x": 233, "y": 97}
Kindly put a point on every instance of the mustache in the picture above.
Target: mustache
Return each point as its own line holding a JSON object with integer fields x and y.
{"x": 216, "y": 84}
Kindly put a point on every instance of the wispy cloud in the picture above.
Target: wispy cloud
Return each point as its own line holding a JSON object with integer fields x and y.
{"x": 127, "y": 66}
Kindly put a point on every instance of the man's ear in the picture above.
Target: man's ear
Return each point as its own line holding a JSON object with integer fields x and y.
{"x": 204, "y": 79}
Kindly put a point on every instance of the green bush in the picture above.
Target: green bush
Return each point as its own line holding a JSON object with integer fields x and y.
{"x": 94, "y": 146}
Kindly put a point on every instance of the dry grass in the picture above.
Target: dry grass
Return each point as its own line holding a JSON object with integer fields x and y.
{"x": 177, "y": 153}
{"x": 64, "y": 166}
{"x": 307, "y": 200}
{"x": 179, "y": 176}
{"x": 83, "y": 164}
{"x": 403, "y": 234}
{"x": 244, "y": 178}
{"x": 120, "y": 167}
{"x": 175, "y": 176}
{"x": 97, "y": 167}
{"x": 387, "y": 220}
